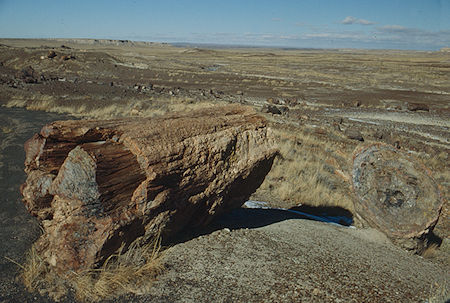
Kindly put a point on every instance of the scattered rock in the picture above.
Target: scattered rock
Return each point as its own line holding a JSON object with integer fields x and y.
{"x": 291, "y": 101}
{"x": 28, "y": 75}
{"x": 379, "y": 135}
{"x": 418, "y": 107}
{"x": 354, "y": 134}
{"x": 103, "y": 184}
{"x": 273, "y": 101}
{"x": 337, "y": 126}
{"x": 67, "y": 57}
{"x": 271, "y": 109}
{"x": 51, "y": 54}
{"x": 283, "y": 109}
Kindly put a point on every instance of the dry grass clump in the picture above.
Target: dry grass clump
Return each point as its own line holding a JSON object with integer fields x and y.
{"x": 127, "y": 108}
{"x": 132, "y": 271}
{"x": 305, "y": 172}
{"x": 430, "y": 251}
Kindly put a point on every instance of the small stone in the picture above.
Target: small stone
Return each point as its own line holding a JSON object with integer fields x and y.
{"x": 418, "y": 107}
{"x": 51, "y": 54}
{"x": 271, "y": 109}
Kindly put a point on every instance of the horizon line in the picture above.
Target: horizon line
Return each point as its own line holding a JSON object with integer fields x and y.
{"x": 217, "y": 45}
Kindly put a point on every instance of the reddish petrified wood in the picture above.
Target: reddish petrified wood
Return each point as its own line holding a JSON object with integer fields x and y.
{"x": 97, "y": 185}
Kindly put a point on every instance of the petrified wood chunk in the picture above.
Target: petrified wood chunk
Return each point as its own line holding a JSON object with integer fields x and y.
{"x": 395, "y": 193}
{"x": 97, "y": 185}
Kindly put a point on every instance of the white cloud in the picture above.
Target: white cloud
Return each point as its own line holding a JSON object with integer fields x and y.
{"x": 416, "y": 32}
{"x": 390, "y": 36}
{"x": 387, "y": 36}
{"x": 354, "y": 36}
{"x": 365, "y": 22}
{"x": 392, "y": 28}
{"x": 353, "y": 20}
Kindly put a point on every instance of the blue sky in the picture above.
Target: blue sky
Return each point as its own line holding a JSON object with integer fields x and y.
{"x": 398, "y": 24}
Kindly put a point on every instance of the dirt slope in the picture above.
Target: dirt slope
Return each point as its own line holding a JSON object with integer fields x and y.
{"x": 294, "y": 260}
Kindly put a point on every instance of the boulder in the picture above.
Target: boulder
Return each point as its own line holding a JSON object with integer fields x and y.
{"x": 395, "y": 193}
{"x": 98, "y": 185}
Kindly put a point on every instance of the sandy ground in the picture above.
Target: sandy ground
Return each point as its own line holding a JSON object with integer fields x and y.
{"x": 18, "y": 230}
{"x": 294, "y": 260}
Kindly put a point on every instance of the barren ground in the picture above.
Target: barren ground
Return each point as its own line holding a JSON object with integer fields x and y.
{"x": 317, "y": 99}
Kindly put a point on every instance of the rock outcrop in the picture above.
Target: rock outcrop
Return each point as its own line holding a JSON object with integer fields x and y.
{"x": 98, "y": 185}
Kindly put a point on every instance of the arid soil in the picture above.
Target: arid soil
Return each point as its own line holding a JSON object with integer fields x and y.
{"x": 294, "y": 260}
{"x": 321, "y": 104}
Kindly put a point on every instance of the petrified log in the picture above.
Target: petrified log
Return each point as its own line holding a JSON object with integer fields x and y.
{"x": 394, "y": 192}
{"x": 97, "y": 185}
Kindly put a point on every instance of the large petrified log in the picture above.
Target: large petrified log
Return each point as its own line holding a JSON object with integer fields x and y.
{"x": 97, "y": 185}
{"x": 395, "y": 193}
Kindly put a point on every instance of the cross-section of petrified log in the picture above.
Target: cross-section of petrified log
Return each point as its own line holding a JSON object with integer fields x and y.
{"x": 97, "y": 185}
{"x": 394, "y": 192}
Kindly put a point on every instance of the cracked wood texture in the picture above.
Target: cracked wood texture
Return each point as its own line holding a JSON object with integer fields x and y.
{"x": 98, "y": 184}
{"x": 395, "y": 193}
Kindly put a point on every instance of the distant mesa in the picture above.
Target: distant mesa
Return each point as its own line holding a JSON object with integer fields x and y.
{"x": 109, "y": 42}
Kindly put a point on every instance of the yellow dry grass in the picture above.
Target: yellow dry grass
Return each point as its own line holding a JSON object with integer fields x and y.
{"x": 130, "y": 271}
{"x": 430, "y": 251}
{"x": 141, "y": 108}
{"x": 305, "y": 172}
